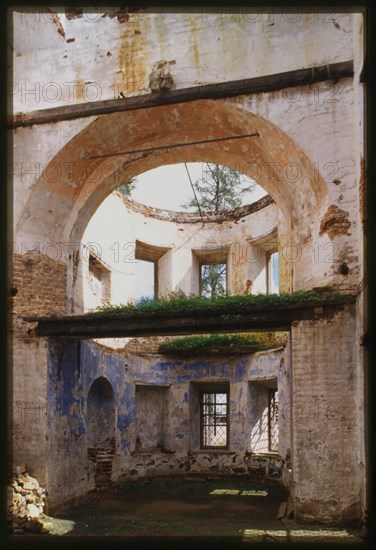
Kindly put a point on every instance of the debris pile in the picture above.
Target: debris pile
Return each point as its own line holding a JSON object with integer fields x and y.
{"x": 26, "y": 502}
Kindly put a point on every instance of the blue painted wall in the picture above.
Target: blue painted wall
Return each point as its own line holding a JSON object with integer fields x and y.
{"x": 74, "y": 366}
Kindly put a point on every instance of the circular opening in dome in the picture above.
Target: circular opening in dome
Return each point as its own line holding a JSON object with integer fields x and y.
{"x": 192, "y": 187}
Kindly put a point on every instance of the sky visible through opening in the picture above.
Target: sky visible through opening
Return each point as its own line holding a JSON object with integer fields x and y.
{"x": 168, "y": 187}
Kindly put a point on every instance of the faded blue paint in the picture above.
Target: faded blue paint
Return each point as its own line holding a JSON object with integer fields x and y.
{"x": 257, "y": 371}
{"x": 240, "y": 370}
{"x": 162, "y": 370}
{"x": 64, "y": 390}
{"x": 91, "y": 366}
{"x": 126, "y": 413}
{"x": 124, "y": 371}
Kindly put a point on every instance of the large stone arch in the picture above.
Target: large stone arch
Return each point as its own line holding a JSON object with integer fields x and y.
{"x": 327, "y": 379}
{"x": 74, "y": 183}
{"x": 87, "y": 169}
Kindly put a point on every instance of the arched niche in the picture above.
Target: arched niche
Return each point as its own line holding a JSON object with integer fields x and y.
{"x": 100, "y": 414}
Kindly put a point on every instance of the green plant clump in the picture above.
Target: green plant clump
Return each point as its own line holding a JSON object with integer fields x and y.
{"x": 180, "y": 301}
{"x": 213, "y": 341}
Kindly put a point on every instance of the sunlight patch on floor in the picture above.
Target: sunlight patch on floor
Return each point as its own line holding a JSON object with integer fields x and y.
{"x": 239, "y": 492}
{"x": 299, "y": 535}
{"x": 58, "y": 526}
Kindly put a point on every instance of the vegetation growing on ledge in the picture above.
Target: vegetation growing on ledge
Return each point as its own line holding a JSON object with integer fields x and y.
{"x": 180, "y": 301}
{"x": 215, "y": 342}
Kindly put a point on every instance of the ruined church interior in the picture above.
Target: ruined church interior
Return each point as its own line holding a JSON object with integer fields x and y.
{"x": 147, "y": 400}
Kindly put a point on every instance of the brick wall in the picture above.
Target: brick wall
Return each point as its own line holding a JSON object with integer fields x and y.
{"x": 326, "y": 469}
{"x": 39, "y": 284}
{"x": 38, "y": 287}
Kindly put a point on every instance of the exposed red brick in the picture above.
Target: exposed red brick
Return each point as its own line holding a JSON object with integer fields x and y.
{"x": 41, "y": 283}
{"x": 335, "y": 222}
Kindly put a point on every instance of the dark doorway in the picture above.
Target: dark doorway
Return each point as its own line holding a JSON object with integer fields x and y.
{"x": 101, "y": 429}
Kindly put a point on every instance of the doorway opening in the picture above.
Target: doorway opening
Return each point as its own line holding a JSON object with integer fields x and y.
{"x": 101, "y": 429}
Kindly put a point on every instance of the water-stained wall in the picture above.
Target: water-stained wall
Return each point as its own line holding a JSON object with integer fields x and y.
{"x": 154, "y": 425}
{"x": 308, "y": 155}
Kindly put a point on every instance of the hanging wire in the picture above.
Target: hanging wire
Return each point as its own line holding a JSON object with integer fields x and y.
{"x": 194, "y": 192}
{"x": 171, "y": 146}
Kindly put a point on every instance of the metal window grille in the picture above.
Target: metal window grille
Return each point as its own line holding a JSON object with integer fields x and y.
{"x": 214, "y": 420}
{"x": 273, "y": 420}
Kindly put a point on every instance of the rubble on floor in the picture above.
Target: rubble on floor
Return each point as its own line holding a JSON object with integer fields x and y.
{"x": 26, "y": 503}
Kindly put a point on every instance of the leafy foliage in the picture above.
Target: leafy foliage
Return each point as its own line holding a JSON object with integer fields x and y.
{"x": 213, "y": 280}
{"x": 127, "y": 188}
{"x": 178, "y": 301}
{"x": 221, "y": 188}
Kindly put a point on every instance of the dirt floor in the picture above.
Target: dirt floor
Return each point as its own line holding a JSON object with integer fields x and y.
{"x": 240, "y": 510}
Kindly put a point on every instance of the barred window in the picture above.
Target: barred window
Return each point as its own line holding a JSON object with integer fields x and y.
{"x": 214, "y": 420}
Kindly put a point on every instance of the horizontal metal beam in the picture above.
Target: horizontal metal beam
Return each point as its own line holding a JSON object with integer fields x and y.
{"x": 168, "y": 323}
{"x": 221, "y": 90}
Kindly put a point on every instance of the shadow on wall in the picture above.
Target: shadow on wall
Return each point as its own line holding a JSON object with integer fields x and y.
{"x": 264, "y": 416}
